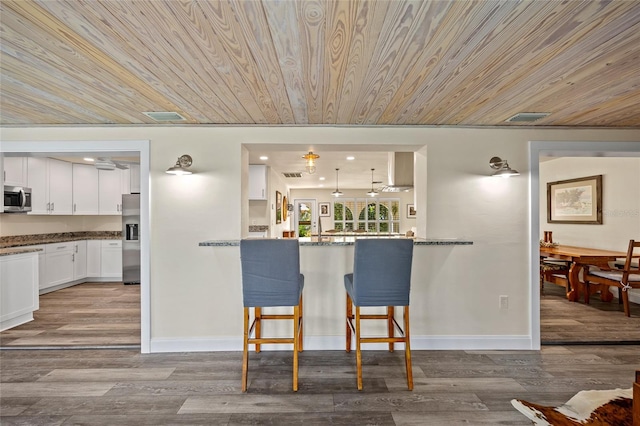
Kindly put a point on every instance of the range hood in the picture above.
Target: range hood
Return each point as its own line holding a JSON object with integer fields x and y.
{"x": 400, "y": 172}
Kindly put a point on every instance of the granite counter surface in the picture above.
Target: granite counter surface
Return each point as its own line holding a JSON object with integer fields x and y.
{"x": 62, "y": 237}
{"x": 345, "y": 241}
{"x": 19, "y": 250}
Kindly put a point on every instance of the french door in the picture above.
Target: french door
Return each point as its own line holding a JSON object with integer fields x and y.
{"x": 306, "y": 217}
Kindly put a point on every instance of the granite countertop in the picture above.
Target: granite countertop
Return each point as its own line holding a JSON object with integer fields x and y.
{"x": 258, "y": 228}
{"x": 348, "y": 241}
{"x": 35, "y": 239}
{"x": 19, "y": 250}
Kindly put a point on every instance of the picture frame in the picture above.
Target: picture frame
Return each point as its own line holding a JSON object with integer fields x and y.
{"x": 411, "y": 211}
{"x": 324, "y": 209}
{"x": 278, "y": 207}
{"x": 576, "y": 201}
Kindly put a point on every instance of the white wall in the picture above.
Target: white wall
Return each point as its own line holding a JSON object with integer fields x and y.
{"x": 195, "y": 291}
{"x": 620, "y": 201}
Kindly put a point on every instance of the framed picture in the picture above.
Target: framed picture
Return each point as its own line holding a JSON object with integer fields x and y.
{"x": 575, "y": 201}
{"x": 278, "y": 207}
{"x": 324, "y": 209}
{"x": 411, "y": 211}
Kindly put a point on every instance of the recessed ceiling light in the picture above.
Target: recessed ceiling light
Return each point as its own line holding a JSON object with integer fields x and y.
{"x": 322, "y": 178}
{"x": 264, "y": 157}
{"x": 88, "y": 159}
{"x": 351, "y": 158}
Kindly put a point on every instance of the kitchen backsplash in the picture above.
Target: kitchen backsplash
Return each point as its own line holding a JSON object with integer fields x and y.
{"x": 25, "y": 224}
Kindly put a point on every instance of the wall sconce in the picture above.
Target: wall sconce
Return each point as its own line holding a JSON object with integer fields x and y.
{"x": 502, "y": 168}
{"x": 311, "y": 158}
{"x": 181, "y": 166}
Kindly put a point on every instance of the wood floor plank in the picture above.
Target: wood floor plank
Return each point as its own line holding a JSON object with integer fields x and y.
{"x": 57, "y": 389}
{"x": 293, "y": 403}
{"x": 107, "y": 374}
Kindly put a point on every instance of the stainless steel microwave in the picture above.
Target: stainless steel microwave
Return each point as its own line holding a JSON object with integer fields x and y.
{"x": 17, "y": 199}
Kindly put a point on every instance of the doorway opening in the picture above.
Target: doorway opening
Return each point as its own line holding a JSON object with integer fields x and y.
{"x": 106, "y": 148}
{"x": 537, "y": 150}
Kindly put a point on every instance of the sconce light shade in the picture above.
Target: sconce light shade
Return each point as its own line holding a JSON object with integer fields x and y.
{"x": 310, "y": 165}
{"x": 502, "y": 168}
{"x": 181, "y": 166}
{"x": 337, "y": 192}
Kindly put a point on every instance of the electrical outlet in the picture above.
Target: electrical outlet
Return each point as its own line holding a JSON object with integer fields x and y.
{"x": 504, "y": 302}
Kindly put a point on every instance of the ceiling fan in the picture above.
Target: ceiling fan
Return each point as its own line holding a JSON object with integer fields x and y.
{"x": 103, "y": 163}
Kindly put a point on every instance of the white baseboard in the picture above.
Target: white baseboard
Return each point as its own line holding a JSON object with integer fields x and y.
{"x": 334, "y": 343}
{"x": 16, "y": 321}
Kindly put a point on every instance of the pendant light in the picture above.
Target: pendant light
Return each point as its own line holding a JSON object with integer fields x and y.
{"x": 337, "y": 192}
{"x": 373, "y": 192}
{"x": 310, "y": 165}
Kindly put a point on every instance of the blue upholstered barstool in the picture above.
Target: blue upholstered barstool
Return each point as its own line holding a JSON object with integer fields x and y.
{"x": 381, "y": 277}
{"x": 271, "y": 277}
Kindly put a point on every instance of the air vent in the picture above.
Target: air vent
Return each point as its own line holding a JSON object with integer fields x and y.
{"x": 292, "y": 174}
{"x": 164, "y": 116}
{"x": 527, "y": 117}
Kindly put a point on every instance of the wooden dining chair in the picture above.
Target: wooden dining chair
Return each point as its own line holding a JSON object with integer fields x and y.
{"x": 554, "y": 271}
{"x": 381, "y": 277}
{"x": 625, "y": 279}
{"x": 271, "y": 278}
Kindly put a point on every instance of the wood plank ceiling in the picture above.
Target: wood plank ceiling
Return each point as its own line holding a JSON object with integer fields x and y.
{"x": 315, "y": 62}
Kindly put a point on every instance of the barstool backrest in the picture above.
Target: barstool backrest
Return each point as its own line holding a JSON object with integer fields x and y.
{"x": 270, "y": 272}
{"x": 382, "y": 272}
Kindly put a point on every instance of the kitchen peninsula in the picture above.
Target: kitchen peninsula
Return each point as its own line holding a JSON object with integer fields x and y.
{"x": 324, "y": 262}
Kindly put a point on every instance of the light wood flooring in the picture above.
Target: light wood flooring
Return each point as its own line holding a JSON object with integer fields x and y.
{"x": 562, "y": 321}
{"x": 124, "y": 387}
{"x": 90, "y": 314}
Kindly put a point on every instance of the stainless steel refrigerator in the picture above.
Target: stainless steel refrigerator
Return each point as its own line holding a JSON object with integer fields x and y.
{"x": 131, "y": 239}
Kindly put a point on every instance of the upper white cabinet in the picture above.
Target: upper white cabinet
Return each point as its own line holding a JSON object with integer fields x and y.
{"x": 134, "y": 171}
{"x": 110, "y": 191}
{"x": 15, "y": 171}
{"x": 257, "y": 182}
{"x": 51, "y": 183}
{"x": 85, "y": 189}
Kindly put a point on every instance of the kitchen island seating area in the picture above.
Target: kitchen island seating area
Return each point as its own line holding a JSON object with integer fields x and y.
{"x": 271, "y": 278}
{"x": 381, "y": 278}
{"x": 624, "y": 279}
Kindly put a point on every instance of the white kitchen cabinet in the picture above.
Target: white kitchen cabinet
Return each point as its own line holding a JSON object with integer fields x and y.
{"x": 79, "y": 259}
{"x": 42, "y": 264}
{"x": 110, "y": 192}
{"x": 94, "y": 253}
{"x": 18, "y": 289}
{"x": 134, "y": 184}
{"x": 125, "y": 181}
{"x": 51, "y": 183}
{"x": 60, "y": 187}
{"x": 59, "y": 264}
{"x": 15, "y": 171}
{"x": 85, "y": 189}
{"x": 111, "y": 259}
{"x": 257, "y": 182}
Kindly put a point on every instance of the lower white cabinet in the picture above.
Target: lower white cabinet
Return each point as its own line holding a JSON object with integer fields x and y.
{"x": 79, "y": 259}
{"x": 59, "y": 267}
{"x": 111, "y": 259}
{"x": 18, "y": 289}
{"x": 94, "y": 253}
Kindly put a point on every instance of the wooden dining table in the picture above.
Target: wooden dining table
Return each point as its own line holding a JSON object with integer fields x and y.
{"x": 579, "y": 257}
